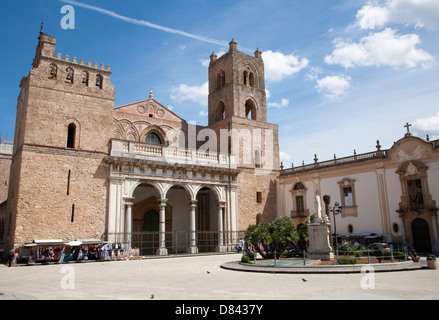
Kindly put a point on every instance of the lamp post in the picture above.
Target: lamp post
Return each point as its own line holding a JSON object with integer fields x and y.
{"x": 335, "y": 211}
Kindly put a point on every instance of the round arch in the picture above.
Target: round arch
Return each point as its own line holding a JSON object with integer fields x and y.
{"x": 161, "y": 134}
{"x": 251, "y": 109}
{"x": 221, "y": 110}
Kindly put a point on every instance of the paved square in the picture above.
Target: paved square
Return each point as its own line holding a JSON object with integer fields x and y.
{"x": 202, "y": 278}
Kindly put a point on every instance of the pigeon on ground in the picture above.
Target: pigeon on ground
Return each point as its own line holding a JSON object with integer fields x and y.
{"x": 304, "y": 280}
{"x": 208, "y": 272}
{"x": 152, "y": 296}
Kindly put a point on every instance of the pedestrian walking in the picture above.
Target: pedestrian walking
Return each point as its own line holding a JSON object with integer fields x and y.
{"x": 10, "y": 258}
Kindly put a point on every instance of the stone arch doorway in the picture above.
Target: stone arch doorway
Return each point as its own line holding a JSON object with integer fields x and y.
{"x": 208, "y": 221}
{"x": 146, "y": 218}
{"x": 421, "y": 235}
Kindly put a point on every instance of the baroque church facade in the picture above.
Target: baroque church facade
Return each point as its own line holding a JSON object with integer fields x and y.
{"x": 140, "y": 175}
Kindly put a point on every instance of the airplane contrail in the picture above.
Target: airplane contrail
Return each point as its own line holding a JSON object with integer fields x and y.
{"x": 145, "y": 23}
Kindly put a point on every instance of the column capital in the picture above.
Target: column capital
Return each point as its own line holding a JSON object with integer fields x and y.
{"x": 222, "y": 204}
{"x": 162, "y": 202}
{"x": 129, "y": 201}
{"x": 193, "y": 203}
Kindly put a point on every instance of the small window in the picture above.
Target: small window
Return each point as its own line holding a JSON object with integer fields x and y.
{"x": 69, "y": 75}
{"x": 85, "y": 78}
{"x": 71, "y": 136}
{"x": 348, "y": 199}
{"x": 251, "y": 79}
{"x": 153, "y": 138}
{"x": 53, "y": 70}
{"x": 250, "y": 110}
{"x": 259, "y": 197}
{"x": 221, "y": 109}
{"x": 350, "y": 229}
{"x": 99, "y": 81}
{"x": 300, "y": 204}
{"x": 221, "y": 80}
{"x": 395, "y": 228}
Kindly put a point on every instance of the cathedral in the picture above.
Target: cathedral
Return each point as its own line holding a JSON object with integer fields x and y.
{"x": 141, "y": 176}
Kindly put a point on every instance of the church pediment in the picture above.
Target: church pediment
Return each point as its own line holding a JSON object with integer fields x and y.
{"x": 410, "y": 148}
{"x": 148, "y": 109}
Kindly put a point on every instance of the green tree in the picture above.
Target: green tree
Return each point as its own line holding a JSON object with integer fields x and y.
{"x": 274, "y": 236}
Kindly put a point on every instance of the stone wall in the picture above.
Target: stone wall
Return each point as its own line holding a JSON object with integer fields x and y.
{"x": 5, "y": 166}
{"x": 47, "y": 194}
{"x": 250, "y": 211}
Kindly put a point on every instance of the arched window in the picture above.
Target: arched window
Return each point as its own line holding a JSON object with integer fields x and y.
{"x": 85, "y": 78}
{"x": 153, "y": 138}
{"x": 71, "y": 136}
{"x": 245, "y": 77}
{"x": 251, "y": 79}
{"x": 221, "y": 109}
{"x": 298, "y": 193}
{"x": 221, "y": 80}
{"x": 250, "y": 110}
{"x": 99, "y": 81}
{"x": 53, "y": 70}
{"x": 299, "y": 186}
{"x": 69, "y": 75}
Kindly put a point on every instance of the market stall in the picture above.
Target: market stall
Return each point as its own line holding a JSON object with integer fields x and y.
{"x": 42, "y": 251}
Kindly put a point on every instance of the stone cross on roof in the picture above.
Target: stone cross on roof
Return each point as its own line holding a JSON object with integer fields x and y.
{"x": 408, "y": 134}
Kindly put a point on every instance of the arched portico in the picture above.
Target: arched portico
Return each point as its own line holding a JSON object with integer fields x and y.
{"x": 162, "y": 217}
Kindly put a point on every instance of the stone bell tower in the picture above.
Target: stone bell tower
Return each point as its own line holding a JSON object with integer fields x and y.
{"x": 57, "y": 186}
{"x": 237, "y": 86}
{"x": 238, "y": 114}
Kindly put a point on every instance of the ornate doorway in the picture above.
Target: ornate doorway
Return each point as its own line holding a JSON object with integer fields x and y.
{"x": 421, "y": 235}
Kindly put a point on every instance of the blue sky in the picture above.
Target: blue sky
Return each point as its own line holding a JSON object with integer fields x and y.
{"x": 340, "y": 74}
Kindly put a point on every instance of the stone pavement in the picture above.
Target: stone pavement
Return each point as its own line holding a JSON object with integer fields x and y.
{"x": 202, "y": 278}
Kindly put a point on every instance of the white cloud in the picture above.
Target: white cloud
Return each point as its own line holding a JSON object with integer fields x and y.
{"x": 196, "y": 94}
{"x": 371, "y": 17}
{"x": 428, "y": 125}
{"x": 284, "y": 103}
{"x": 333, "y": 87}
{"x": 385, "y": 48}
{"x": 420, "y": 13}
{"x": 203, "y": 113}
{"x": 279, "y": 65}
{"x": 284, "y": 156}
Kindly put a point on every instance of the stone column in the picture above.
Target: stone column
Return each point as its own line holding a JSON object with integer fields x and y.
{"x": 128, "y": 221}
{"x": 162, "y": 251}
{"x": 220, "y": 247}
{"x": 193, "y": 249}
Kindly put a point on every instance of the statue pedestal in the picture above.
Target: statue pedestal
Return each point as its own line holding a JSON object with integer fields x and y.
{"x": 319, "y": 241}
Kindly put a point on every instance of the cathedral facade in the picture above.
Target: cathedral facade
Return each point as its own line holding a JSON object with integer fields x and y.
{"x": 140, "y": 175}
